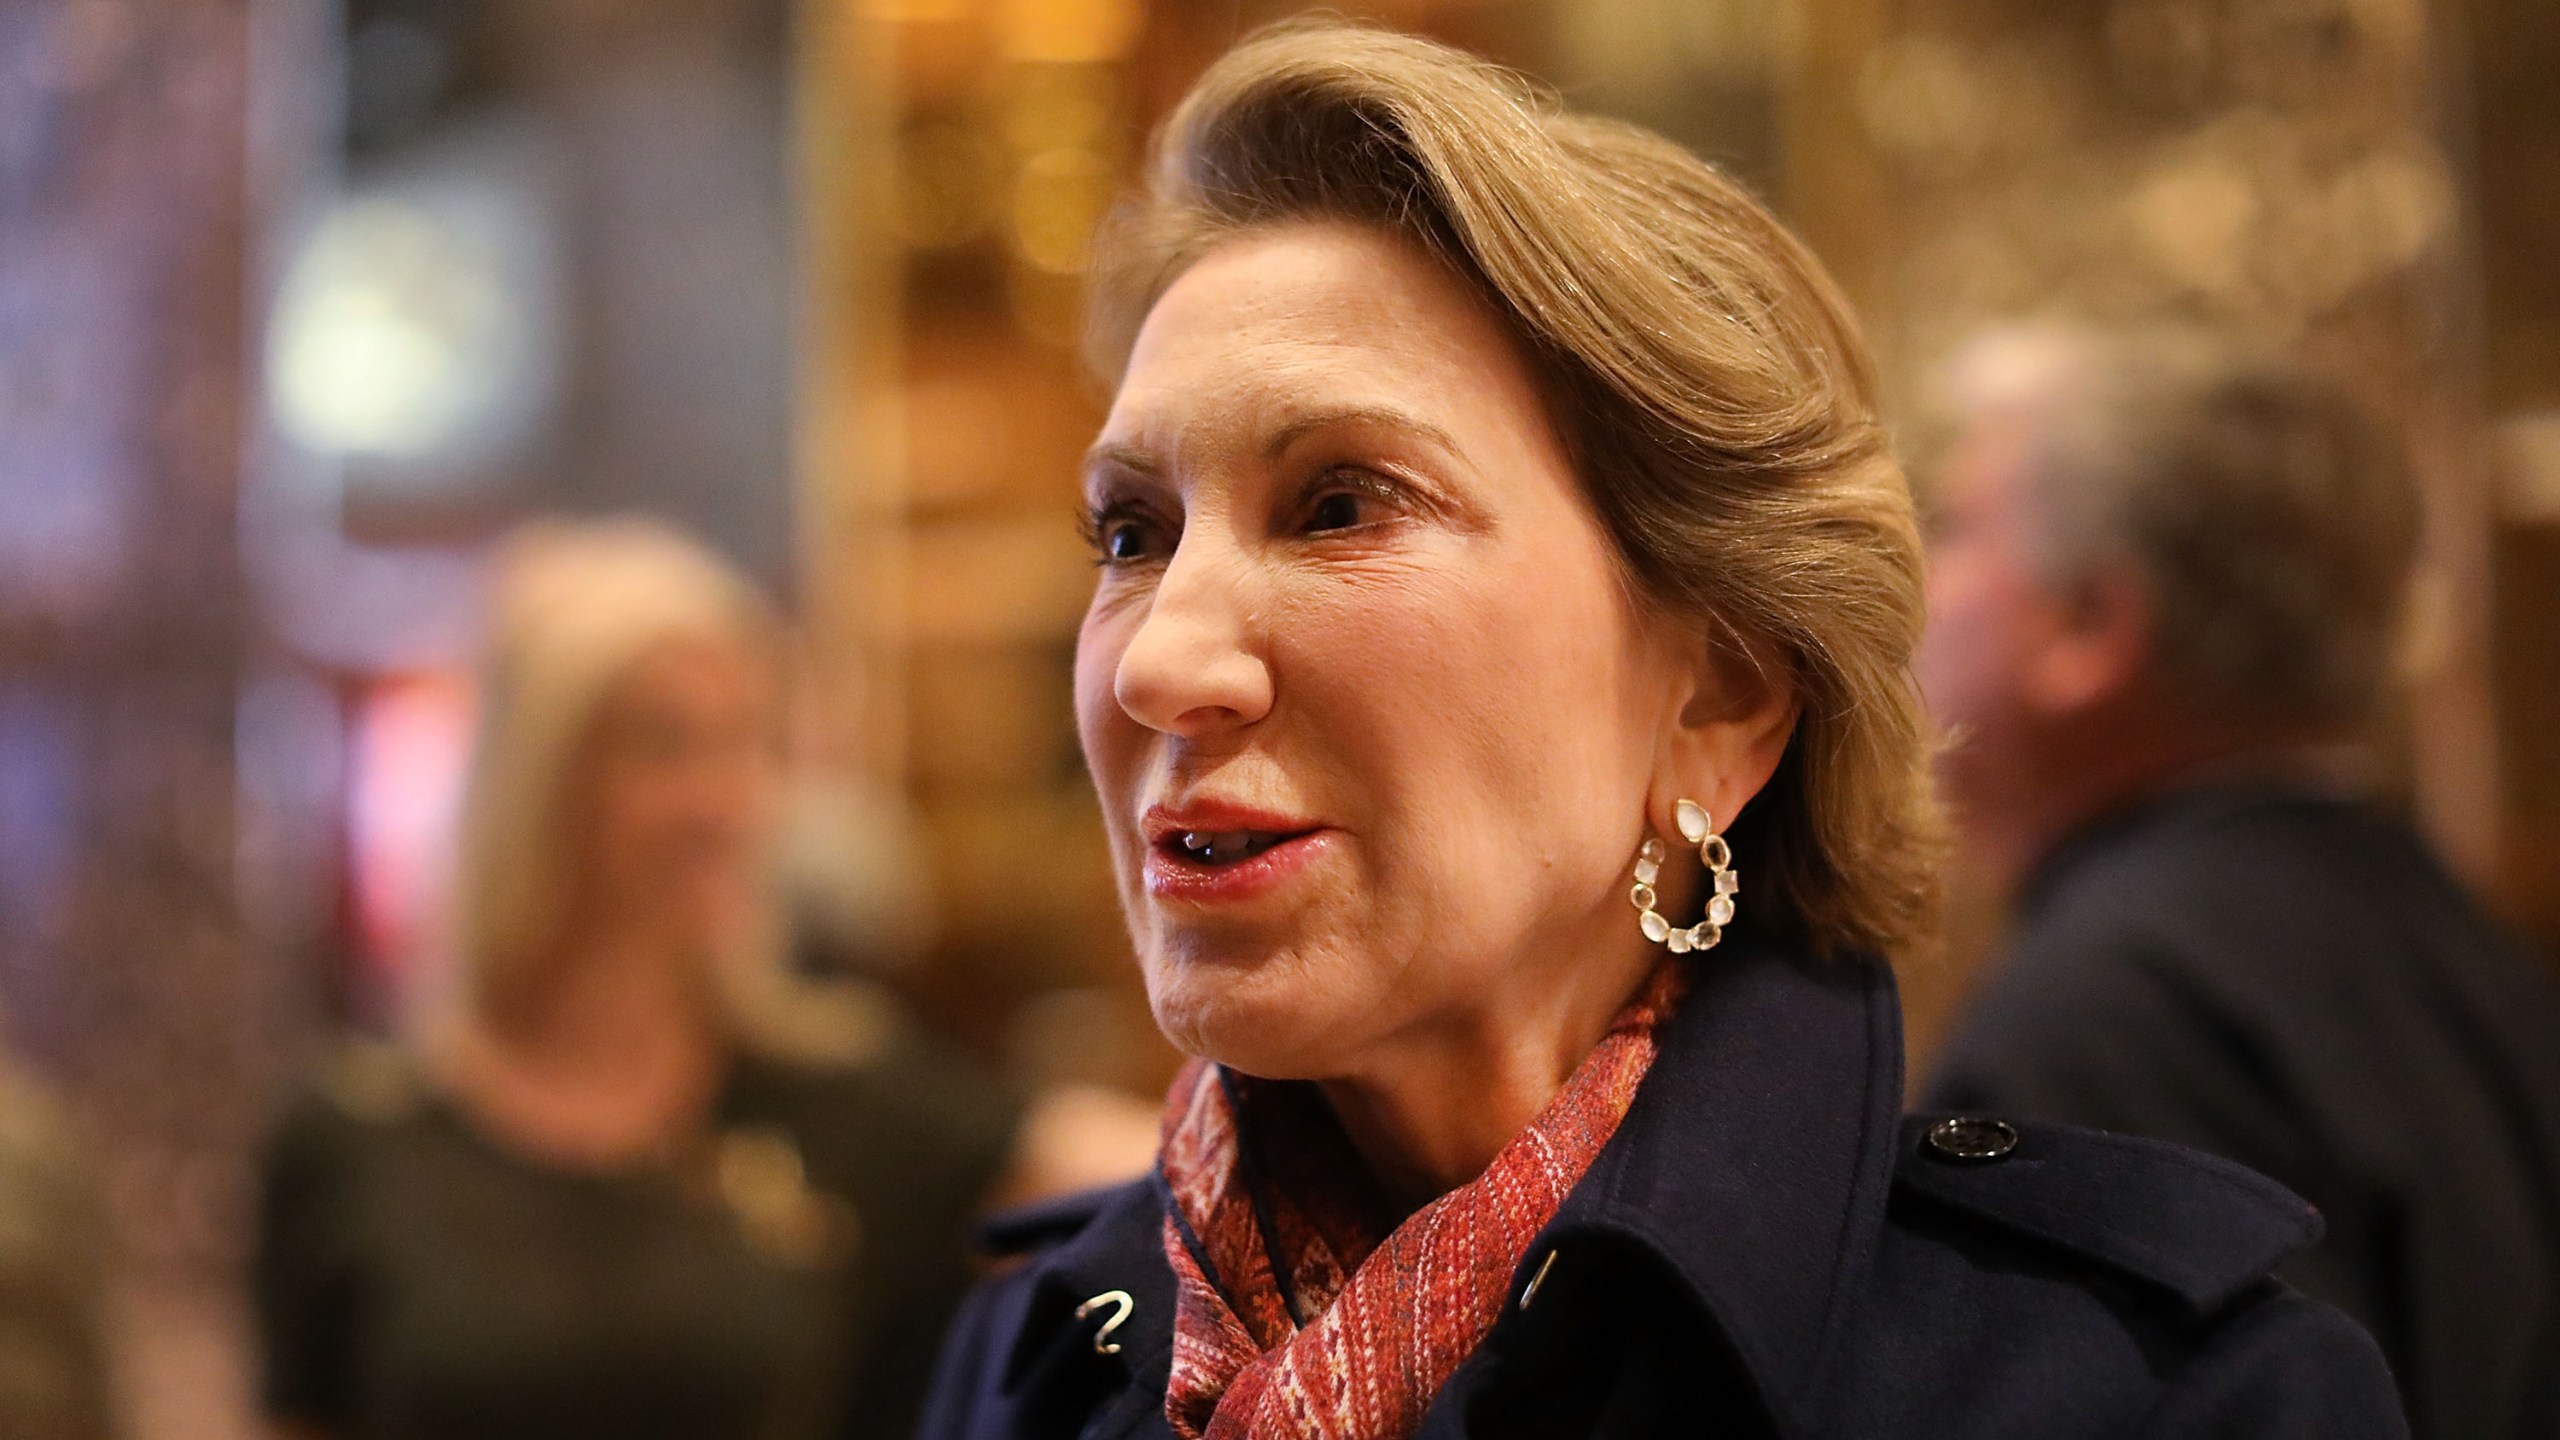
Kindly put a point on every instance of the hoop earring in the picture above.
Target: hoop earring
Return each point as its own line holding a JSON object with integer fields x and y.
{"x": 1699, "y": 829}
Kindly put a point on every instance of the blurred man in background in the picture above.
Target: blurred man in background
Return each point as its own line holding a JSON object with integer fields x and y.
{"x": 2165, "y": 597}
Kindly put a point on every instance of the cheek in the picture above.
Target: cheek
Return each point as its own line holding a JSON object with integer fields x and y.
{"x": 1489, "y": 708}
{"x": 1970, "y": 649}
{"x": 1115, "y": 746}
{"x": 1103, "y": 729}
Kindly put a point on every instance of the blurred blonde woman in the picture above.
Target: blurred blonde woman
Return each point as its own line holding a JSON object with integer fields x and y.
{"x": 631, "y": 1179}
{"x": 1497, "y": 688}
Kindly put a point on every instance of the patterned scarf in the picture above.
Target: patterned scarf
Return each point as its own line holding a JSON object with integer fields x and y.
{"x": 1302, "y": 1310}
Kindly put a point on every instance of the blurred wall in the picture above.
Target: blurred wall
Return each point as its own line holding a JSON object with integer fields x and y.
{"x": 124, "y": 976}
{"x": 2513, "y": 50}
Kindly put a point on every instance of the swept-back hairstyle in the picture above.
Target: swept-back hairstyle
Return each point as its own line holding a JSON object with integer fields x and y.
{"x": 574, "y": 604}
{"x": 1704, "y": 370}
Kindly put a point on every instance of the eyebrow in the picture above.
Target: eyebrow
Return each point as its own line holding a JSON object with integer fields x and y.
{"x": 1384, "y": 417}
{"x": 1123, "y": 456}
{"x": 1135, "y": 460}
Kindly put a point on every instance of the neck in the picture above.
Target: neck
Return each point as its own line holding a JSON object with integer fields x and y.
{"x": 1432, "y": 1114}
{"x": 2106, "y": 763}
{"x": 613, "y": 1057}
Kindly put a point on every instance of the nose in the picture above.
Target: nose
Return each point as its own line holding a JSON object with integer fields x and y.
{"x": 1192, "y": 669}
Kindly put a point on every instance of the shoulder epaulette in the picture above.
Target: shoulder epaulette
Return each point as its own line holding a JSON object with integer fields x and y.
{"x": 2199, "y": 1227}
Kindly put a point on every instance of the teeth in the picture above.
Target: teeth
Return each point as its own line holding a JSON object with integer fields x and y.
{"x": 1226, "y": 845}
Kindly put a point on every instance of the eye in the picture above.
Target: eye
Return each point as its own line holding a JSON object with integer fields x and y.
{"x": 1337, "y": 511}
{"x": 1124, "y": 540}
{"x": 1345, "y": 499}
{"x": 1122, "y": 535}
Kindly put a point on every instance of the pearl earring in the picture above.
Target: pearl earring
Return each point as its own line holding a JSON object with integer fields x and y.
{"x": 1699, "y": 829}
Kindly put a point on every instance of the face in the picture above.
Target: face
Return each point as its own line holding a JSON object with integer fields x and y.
{"x": 1991, "y": 616}
{"x": 676, "y": 789}
{"x": 1370, "y": 711}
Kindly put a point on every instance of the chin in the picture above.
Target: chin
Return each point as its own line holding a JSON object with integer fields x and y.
{"x": 1252, "y": 1019}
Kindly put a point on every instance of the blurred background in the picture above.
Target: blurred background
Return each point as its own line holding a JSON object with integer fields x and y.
{"x": 302, "y": 306}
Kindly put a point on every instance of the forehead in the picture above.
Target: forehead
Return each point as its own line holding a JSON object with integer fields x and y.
{"x": 1313, "y": 314}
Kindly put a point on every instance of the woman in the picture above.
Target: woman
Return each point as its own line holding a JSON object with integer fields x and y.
{"x": 633, "y": 1181}
{"x": 1496, "y": 689}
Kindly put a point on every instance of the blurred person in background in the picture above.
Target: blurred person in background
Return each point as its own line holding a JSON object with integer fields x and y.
{"x": 53, "y": 1368}
{"x": 632, "y": 1178}
{"x": 2165, "y": 592}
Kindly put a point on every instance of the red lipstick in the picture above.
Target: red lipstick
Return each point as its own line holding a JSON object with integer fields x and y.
{"x": 1208, "y": 851}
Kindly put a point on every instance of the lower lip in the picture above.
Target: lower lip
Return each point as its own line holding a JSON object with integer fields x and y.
{"x": 1173, "y": 878}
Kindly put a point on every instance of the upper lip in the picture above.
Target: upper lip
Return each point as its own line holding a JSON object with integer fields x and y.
{"x": 1217, "y": 817}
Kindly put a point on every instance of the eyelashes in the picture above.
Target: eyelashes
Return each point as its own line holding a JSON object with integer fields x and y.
{"x": 1338, "y": 500}
{"x": 1367, "y": 488}
{"x": 1104, "y": 527}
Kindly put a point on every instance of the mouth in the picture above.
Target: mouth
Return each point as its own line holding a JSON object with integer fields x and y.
{"x": 1202, "y": 847}
{"x": 1218, "y": 853}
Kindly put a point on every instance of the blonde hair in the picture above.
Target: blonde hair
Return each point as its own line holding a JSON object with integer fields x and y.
{"x": 1704, "y": 369}
{"x": 573, "y": 606}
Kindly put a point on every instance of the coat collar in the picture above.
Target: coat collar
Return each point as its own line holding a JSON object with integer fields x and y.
{"x": 1758, "y": 1156}
{"x": 1120, "y": 1249}
{"x": 1754, "y": 1164}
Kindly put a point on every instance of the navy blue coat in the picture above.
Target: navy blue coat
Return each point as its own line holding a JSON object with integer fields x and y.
{"x": 1769, "y": 1248}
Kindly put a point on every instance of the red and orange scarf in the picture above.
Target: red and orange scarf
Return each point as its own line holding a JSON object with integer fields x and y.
{"x": 1301, "y": 1309}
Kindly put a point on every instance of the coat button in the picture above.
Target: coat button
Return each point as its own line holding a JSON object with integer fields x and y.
{"x": 1973, "y": 1138}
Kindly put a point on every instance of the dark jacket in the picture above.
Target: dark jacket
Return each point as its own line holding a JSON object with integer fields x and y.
{"x": 1767, "y": 1248}
{"x": 2292, "y": 982}
{"x": 784, "y": 1276}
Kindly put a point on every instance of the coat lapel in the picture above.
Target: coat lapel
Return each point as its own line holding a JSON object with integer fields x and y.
{"x": 1757, "y": 1159}
{"x": 1058, "y": 1365}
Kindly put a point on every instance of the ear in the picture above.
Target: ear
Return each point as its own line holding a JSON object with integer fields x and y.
{"x": 1735, "y": 711}
{"x": 2098, "y": 648}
